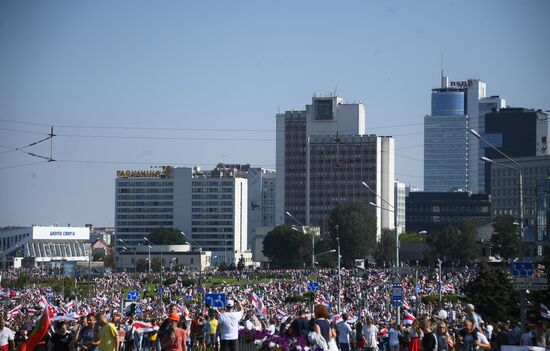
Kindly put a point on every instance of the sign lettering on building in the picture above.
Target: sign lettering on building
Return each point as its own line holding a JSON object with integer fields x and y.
{"x": 461, "y": 84}
{"x": 152, "y": 173}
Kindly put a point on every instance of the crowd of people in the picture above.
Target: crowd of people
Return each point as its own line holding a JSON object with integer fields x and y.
{"x": 356, "y": 314}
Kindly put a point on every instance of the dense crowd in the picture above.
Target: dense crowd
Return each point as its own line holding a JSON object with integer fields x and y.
{"x": 264, "y": 309}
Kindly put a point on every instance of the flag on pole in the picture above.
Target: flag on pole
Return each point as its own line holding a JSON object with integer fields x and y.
{"x": 408, "y": 318}
{"x": 259, "y": 305}
{"x": 544, "y": 311}
{"x": 38, "y": 333}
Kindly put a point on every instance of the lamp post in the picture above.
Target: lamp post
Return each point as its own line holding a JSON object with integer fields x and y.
{"x": 148, "y": 253}
{"x": 390, "y": 209}
{"x": 517, "y": 167}
{"x": 303, "y": 230}
{"x": 339, "y": 277}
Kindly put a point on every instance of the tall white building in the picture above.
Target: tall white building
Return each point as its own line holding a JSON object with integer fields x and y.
{"x": 399, "y": 203}
{"x": 323, "y": 156}
{"x": 209, "y": 207}
{"x": 261, "y": 201}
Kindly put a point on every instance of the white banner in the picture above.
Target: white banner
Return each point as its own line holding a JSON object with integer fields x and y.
{"x": 60, "y": 233}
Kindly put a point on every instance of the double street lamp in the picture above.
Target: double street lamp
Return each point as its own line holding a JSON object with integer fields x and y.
{"x": 516, "y": 167}
{"x": 390, "y": 209}
{"x": 304, "y": 230}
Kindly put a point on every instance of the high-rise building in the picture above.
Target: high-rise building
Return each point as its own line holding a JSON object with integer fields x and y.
{"x": 323, "y": 156}
{"x": 543, "y": 212}
{"x": 451, "y": 154}
{"x": 446, "y": 140}
{"x": 399, "y": 203}
{"x": 517, "y": 132}
{"x": 209, "y": 207}
{"x": 261, "y": 200}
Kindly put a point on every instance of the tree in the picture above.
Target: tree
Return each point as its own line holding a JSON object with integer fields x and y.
{"x": 286, "y": 247}
{"x": 143, "y": 265}
{"x": 356, "y": 229}
{"x": 505, "y": 237}
{"x": 492, "y": 294}
{"x": 166, "y": 236}
{"x": 454, "y": 244}
{"x": 385, "y": 249}
{"x": 241, "y": 263}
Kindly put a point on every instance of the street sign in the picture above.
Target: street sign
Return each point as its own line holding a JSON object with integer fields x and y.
{"x": 215, "y": 300}
{"x": 132, "y": 295}
{"x": 189, "y": 297}
{"x": 139, "y": 309}
{"x": 360, "y": 263}
{"x": 397, "y": 295}
{"x": 312, "y": 286}
{"x": 312, "y": 276}
{"x": 161, "y": 291}
{"x": 522, "y": 269}
{"x": 417, "y": 288}
{"x": 530, "y": 283}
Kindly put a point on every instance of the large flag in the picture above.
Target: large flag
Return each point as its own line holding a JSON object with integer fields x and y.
{"x": 544, "y": 311}
{"x": 259, "y": 305}
{"x": 408, "y": 318}
{"x": 38, "y": 333}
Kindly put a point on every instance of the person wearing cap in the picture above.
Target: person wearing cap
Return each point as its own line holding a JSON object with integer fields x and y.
{"x": 174, "y": 339}
{"x": 228, "y": 326}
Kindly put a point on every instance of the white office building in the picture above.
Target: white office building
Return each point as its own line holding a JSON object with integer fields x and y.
{"x": 210, "y": 208}
{"x": 399, "y": 203}
{"x": 261, "y": 203}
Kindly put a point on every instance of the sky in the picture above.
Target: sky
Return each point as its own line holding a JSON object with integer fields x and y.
{"x": 132, "y": 84}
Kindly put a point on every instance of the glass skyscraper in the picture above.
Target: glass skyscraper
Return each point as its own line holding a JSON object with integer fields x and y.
{"x": 446, "y": 141}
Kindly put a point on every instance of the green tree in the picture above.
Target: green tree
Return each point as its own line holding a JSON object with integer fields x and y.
{"x": 505, "y": 237}
{"x": 385, "y": 249}
{"x": 453, "y": 243}
{"x": 143, "y": 265}
{"x": 492, "y": 294}
{"x": 166, "y": 236}
{"x": 241, "y": 263}
{"x": 286, "y": 247}
{"x": 356, "y": 228}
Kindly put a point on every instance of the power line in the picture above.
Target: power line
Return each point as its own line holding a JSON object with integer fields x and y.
{"x": 24, "y": 164}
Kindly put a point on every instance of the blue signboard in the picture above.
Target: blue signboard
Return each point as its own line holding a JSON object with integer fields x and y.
{"x": 312, "y": 286}
{"x": 215, "y": 300}
{"x": 133, "y": 295}
{"x": 161, "y": 291}
{"x": 397, "y": 296}
{"x": 522, "y": 269}
{"x": 139, "y": 309}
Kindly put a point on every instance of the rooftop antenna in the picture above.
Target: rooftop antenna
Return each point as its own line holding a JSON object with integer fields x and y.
{"x": 444, "y": 79}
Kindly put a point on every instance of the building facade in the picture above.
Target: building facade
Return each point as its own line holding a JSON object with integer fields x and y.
{"x": 399, "y": 203}
{"x": 261, "y": 200}
{"x": 210, "y": 208}
{"x": 323, "y": 156}
{"x": 433, "y": 211}
{"x": 505, "y": 187}
{"x": 517, "y": 132}
{"x": 543, "y": 212}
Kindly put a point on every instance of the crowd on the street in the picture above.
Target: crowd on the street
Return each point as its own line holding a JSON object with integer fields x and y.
{"x": 266, "y": 309}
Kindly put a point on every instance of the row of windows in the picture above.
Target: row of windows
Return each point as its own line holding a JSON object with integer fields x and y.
{"x": 151, "y": 216}
{"x": 211, "y": 196}
{"x": 212, "y": 209}
{"x": 145, "y": 203}
{"x": 145, "y": 210}
{"x": 213, "y": 230}
{"x": 208, "y": 182}
{"x": 157, "y": 183}
{"x": 230, "y": 223}
{"x": 150, "y": 223}
{"x": 212, "y": 216}
{"x": 145, "y": 197}
{"x": 145, "y": 190}
{"x": 212, "y": 190}
{"x": 136, "y": 230}
{"x": 212, "y": 203}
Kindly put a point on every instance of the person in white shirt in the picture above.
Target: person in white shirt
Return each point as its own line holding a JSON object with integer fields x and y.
{"x": 228, "y": 326}
{"x": 393, "y": 334}
{"x": 6, "y": 337}
{"x": 370, "y": 333}
{"x": 344, "y": 331}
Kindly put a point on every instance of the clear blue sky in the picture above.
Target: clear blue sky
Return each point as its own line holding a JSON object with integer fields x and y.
{"x": 219, "y": 65}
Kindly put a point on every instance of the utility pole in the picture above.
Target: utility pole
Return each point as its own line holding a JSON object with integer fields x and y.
{"x": 339, "y": 276}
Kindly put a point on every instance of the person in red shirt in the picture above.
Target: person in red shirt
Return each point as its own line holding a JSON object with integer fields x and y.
{"x": 173, "y": 338}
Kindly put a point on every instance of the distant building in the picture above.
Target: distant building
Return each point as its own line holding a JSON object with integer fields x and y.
{"x": 261, "y": 201}
{"x": 517, "y": 132}
{"x": 543, "y": 212}
{"x": 505, "y": 187}
{"x": 399, "y": 203}
{"x": 433, "y": 211}
{"x": 323, "y": 156}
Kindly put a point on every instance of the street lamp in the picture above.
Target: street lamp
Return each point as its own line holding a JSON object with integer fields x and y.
{"x": 339, "y": 278}
{"x": 303, "y": 230}
{"x": 392, "y": 210}
{"x": 517, "y": 167}
{"x": 148, "y": 253}
{"x": 135, "y": 249}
